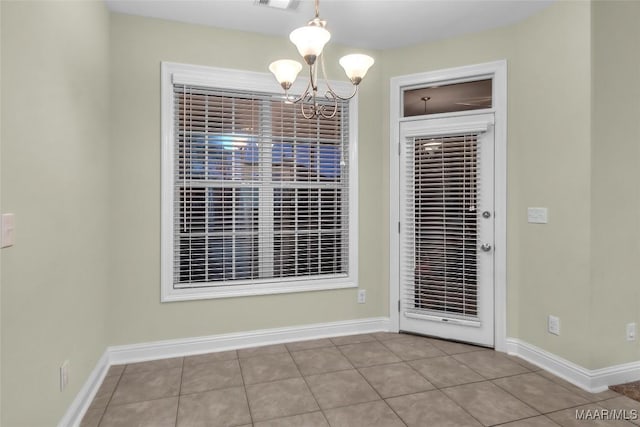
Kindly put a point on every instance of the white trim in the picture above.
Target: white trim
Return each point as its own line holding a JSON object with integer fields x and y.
{"x": 446, "y": 115}
{"x": 243, "y": 80}
{"x": 272, "y": 288}
{"x": 591, "y": 380}
{"x": 500, "y": 202}
{"x": 498, "y": 71}
{"x": 440, "y": 319}
{"x": 200, "y": 345}
{"x": 117, "y": 355}
{"x": 479, "y": 330}
{"x": 469, "y": 123}
{"x": 166, "y": 185}
{"x": 81, "y": 403}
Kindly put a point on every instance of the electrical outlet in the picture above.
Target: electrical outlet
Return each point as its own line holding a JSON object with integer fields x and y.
{"x": 553, "y": 325}
{"x": 631, "y": 331}
{"x": 362, "y": 296}
{"x": 64, "y": 375}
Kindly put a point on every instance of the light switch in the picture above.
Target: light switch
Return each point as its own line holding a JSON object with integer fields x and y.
{"x": 537, "y": 215}
{"x": 7, "y": 233}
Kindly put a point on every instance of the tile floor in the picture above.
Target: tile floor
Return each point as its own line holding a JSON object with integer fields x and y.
{"x": 368, "y": 380}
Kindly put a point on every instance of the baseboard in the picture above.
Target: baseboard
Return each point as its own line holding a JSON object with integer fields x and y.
{"x": 117, "y": 355}
{"x": 198, "y": 345}
{"x": 592, "y": 380}
{"x": 80, "y": 404}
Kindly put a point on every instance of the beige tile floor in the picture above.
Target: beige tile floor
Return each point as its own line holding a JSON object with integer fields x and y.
{"x": 368, "y": 380}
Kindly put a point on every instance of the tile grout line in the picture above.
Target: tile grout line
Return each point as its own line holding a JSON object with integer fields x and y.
{"x": 148, "y": 400}
{"x": 491, "y": 380}
{"x": 570, "y": 391}
{"x": 372, "y": 387}
{"x": 287, "y": 416}
{"x": 510, "y": 393}
{"x": 110, "y": 396}
{"x": 530, "y": 371}
{"x": 461, "y": 407}
{"x": 210, "y": 361}
{"x": 244, "y": 387}
{"x": 522, "y": 419}
{"x": 436, "y": 387}
{"x": 513, "y": 356}
{"x": 382, "y": 398}
{"x": 179, "y": 392}
{"x": 440, "y": 389}
{"x": 110, "y": 404}
{"x": 484, "y": 377}
{"x": 572, "y": 407}
{"x": 307, "y": 384}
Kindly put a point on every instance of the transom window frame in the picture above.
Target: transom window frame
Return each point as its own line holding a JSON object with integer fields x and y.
{"x": 241, "y": 80}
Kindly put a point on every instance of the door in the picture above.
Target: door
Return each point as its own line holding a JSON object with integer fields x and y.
{"x": 447, "y": 228}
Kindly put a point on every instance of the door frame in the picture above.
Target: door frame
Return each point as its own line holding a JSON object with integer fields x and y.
{"x": 497, "y": 71}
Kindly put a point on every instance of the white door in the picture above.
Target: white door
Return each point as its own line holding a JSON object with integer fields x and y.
{"x": 447, "y": 228}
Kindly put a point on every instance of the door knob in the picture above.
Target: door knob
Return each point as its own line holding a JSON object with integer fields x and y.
{"x": 486, "y": 247}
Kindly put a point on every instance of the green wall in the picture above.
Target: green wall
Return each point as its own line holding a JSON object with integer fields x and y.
{"x": 615, "y": 192}
{"x": 551, "y": 269}
{"x": 54, "y": 178}
{"x": 548, "y": 60}
{"x": 138, "y": 45}
{"x": 0, "y": 211}
{"x": 573, "y": 132}
{"x": 80, "y": 168}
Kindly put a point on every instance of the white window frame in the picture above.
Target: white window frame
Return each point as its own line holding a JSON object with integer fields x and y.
{"x": 241, "y": 80}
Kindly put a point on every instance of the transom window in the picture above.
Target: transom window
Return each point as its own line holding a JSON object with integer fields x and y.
{"x": 260, "y": 197}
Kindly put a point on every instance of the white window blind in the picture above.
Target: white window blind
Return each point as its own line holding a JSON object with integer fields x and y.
{"x": 261, "y": 195}
{"x": 441, "y": 272}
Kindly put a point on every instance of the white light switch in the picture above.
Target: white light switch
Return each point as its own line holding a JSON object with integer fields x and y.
{"x": 537, "y": 215}
{"x": 553, "y": 325}
{"x": 7, "y": 233}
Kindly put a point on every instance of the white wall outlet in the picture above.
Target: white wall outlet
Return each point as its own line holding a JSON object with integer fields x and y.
{"x": 631, "y": 331}
{"x": 362, "y": 296}
{"x": 64, "y": 375}
{"x": 7, "y": 234}
{"x": 553, "y": 325}
{"x": 537, "y": 215}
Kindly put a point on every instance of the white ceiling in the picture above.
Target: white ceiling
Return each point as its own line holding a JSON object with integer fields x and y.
{"x": 374, "y": 24}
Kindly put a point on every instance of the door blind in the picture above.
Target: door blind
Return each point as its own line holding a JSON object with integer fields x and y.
{"x": 260, "y": 193}
{"x": 440, "y": 271}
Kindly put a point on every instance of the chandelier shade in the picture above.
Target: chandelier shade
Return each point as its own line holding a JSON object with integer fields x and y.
{"x": 310, "y": 41}
{"x": 286, "y": 71}
{"x": 356, "y": 66}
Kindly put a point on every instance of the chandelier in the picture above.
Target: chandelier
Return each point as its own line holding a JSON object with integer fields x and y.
{"x": 310, "y": 41}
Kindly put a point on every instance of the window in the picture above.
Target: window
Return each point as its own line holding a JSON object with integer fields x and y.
{"x": 256, "y": 198}
{"x": 448, "y": 98}
{"x": 443, "y": 220}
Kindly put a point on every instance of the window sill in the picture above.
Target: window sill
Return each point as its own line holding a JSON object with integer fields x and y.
{"x": 191, "y": 294}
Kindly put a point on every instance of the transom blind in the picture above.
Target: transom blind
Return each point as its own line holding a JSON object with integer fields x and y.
{"x": 441, "y": 276}
{"x": 260, "y": 194}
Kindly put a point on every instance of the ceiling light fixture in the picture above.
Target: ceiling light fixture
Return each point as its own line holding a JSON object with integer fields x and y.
{"x": 425, "y": 99}
{"x": 310, "y": 41}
